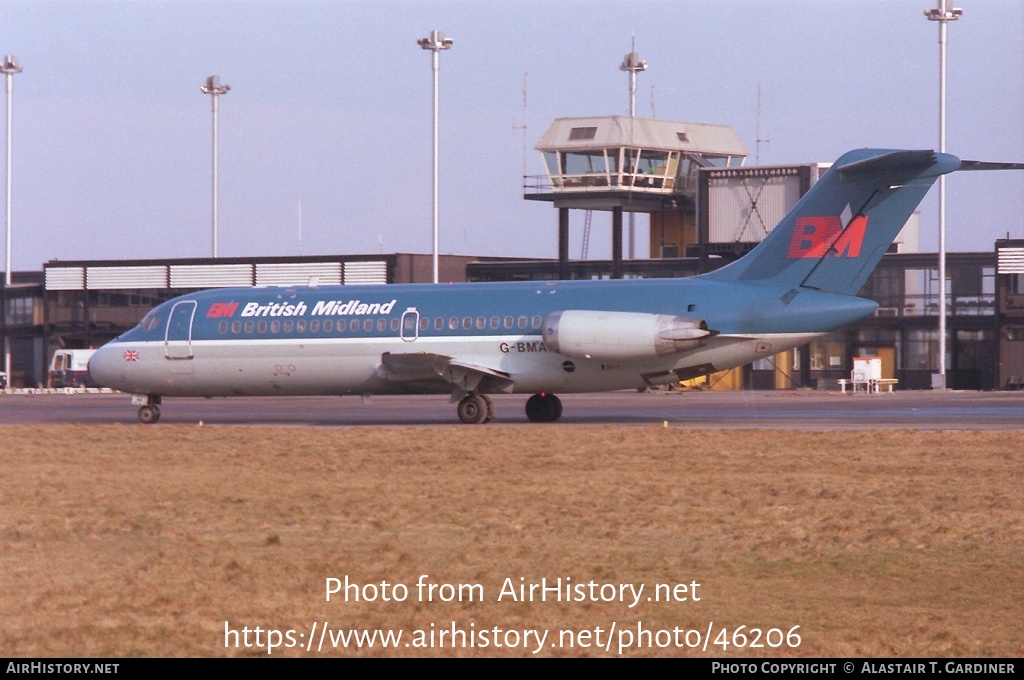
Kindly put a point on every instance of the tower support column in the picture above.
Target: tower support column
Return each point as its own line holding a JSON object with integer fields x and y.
{"x": 563, "y": 243}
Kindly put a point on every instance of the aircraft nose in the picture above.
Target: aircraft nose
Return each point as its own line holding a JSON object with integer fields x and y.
{"x": 106, "y": 366}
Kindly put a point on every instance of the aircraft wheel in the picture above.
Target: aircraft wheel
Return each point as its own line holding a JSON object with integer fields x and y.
{"x": 149, "y": 414}
{"x": 490, "y": 408}
{"x": 473, "y": 410}
{"x": 558, "y": 407}
{"x": 543, "y": 408}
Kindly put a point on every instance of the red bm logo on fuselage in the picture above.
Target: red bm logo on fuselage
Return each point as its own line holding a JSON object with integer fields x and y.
{"x": 218, "y": 309}
{"x": 817, "y": 236}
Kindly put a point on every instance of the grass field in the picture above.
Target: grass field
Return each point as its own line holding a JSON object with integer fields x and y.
{"x": 171, "y": 541}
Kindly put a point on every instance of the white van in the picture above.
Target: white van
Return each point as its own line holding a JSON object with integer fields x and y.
{"x": 70, "y": 368}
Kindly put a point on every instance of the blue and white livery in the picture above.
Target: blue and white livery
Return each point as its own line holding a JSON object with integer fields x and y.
{"x": 474, "y": 339}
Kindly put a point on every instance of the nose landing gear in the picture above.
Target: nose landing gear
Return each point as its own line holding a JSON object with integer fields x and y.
{"x": 148, "y": 415}
{"x": 149, "y": 408}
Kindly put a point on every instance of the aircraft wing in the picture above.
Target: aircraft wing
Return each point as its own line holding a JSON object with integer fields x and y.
{"x": 463, "y": 377}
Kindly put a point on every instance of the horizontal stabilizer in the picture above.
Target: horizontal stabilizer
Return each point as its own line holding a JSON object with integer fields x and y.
{"x": 987, "y": 165}
{"x": 895, "y": 160}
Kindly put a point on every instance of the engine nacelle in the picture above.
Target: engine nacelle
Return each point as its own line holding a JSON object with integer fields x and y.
{"x": 622, "y": 335}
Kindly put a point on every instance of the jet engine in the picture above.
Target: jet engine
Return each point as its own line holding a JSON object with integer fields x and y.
{"x": 622, "y": 335}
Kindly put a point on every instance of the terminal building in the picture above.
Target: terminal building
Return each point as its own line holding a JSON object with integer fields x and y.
{"x": 690, "y": 187}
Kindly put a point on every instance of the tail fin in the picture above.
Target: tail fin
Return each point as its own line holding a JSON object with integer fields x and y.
{"x": 834, "y": 237}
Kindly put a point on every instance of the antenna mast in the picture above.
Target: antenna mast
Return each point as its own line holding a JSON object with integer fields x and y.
{"x": 523, "y": 126}
{"x": 757, "y": 148}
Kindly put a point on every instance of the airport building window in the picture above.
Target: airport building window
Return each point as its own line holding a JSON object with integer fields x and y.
{"x": 922, "y": 350}
{"x": 827, "y": 356}
{"x": 585, "y": 163}
{"x": 887, "y": 287}
{"x": 877, "y": 336}
{"x": 966, "y": 280}
{"x": 921, "y": 292}
{"x": 551, "y": 160}
{"x": 645, "y": 169}
{"x": 970, "y": 348}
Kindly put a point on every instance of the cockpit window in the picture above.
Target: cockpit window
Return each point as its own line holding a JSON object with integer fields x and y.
{"x": 150, "y": 322}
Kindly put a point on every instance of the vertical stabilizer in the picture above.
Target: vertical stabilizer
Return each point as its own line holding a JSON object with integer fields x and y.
{"x": 834, "y": 237}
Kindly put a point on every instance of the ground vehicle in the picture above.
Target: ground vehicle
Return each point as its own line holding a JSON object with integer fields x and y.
{"x": 70, "y": 368}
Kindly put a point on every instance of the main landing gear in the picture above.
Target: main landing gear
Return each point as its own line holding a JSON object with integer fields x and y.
{"x": 543, "y": 407}
{"x": 149, "y": 408}
{"x": 475, "y": 409}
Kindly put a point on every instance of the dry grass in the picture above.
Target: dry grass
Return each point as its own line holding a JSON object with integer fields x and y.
{"x": 134, "y": 541}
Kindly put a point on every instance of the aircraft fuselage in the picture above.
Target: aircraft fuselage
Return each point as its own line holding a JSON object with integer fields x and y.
{"x": 331, "y": 340}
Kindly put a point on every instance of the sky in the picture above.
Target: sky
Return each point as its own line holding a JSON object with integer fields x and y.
{"x": 326, "y": 133}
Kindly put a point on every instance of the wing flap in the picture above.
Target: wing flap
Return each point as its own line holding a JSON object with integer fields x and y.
{"x": 464, "y": 377}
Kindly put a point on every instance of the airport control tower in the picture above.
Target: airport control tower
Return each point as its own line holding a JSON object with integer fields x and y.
{"x": 625, "y": 164}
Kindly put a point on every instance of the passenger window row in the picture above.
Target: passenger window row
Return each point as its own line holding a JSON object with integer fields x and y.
{"x": 379, "y": 324}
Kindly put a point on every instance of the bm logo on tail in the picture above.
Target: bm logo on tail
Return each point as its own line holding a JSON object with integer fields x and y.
{"x": 815, "y": 237}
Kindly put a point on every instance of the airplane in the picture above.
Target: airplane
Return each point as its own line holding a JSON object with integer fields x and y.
{"x": 471, "y": 340}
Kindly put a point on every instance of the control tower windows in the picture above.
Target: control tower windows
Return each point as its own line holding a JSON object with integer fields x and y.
{"x": 627, "y": 167}
{"x": 649, "y": 169}
{"x": 585, "y": 168}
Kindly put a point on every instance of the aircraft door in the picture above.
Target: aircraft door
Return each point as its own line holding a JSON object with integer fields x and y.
{"x": 178, "y": 339}
{"x": 410, "y": 325}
